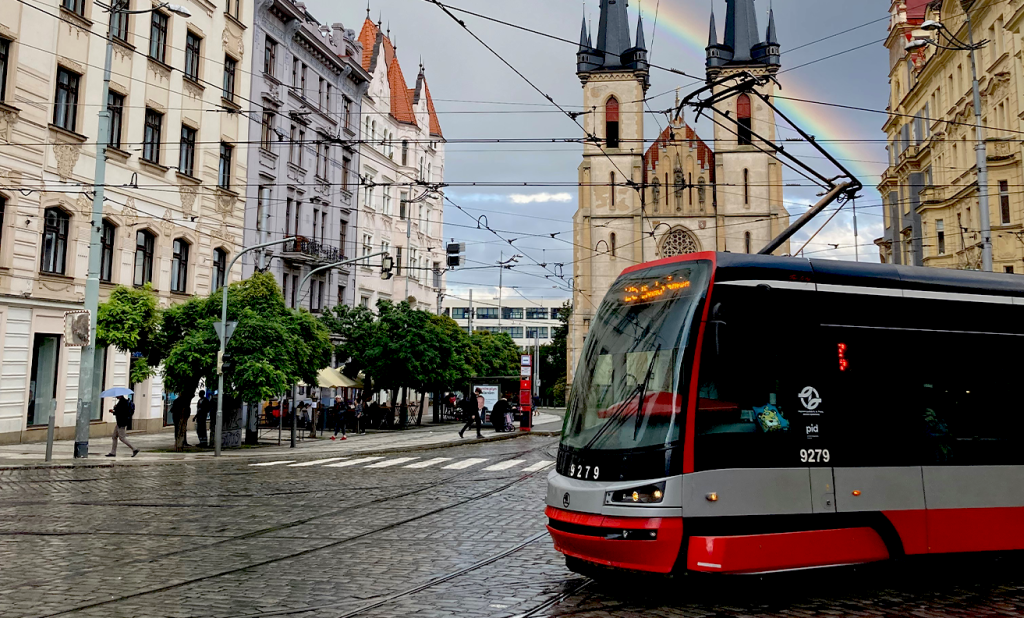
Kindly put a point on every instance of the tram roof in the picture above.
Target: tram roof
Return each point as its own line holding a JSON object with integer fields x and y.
{"x": 742, "y": 267}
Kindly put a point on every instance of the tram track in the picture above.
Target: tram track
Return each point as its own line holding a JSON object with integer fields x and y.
{"x": 278, "y": 528}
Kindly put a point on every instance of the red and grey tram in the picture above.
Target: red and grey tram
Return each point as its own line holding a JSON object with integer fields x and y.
{"x": 747, "y": 413}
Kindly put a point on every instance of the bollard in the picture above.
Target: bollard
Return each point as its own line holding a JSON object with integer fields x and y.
{"x": 49, "y": 431}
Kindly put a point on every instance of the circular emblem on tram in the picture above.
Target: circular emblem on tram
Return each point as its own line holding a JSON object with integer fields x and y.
{"x": 565, "y": 500}
{"x": 809, "y": 398}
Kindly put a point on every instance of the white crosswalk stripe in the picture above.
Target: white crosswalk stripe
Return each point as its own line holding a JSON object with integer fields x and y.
{"x": 505, "y": 465}
{"x": 273, "y": 463}
{"x": 352, "y": 462}
{"x": 540, "y": 465}
{"x": 315, "y": 463}
{"x": 465, "y": 463}
{"x": 392, "y": 462}
{"x": 429, "y": 462}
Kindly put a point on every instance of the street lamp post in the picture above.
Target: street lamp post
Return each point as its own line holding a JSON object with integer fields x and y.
{"x": 224, "y": 333}
{"x": 980, "y": 148}
{"x": 92, "y": 283}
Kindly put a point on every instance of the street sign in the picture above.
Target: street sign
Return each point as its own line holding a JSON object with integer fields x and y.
{"x": 217, "y": 326}
{"x": 525, "y": 360}
{"x": 77, "y": 328}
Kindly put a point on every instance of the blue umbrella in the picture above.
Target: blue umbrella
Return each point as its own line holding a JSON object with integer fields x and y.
{"x": 116, "y": 392}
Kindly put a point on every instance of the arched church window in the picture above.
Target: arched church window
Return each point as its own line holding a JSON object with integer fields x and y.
{"x": 667, "y": 185}
{"x": 744, "y": 119}
{"x": 656, "y": 194}
{"x": 611, "y": 243}
{"x": 611, "y": 122}
{"x": 679, "y": 242}
{"x": 689, "y": 188}
{"x": 612, "y": 187}
{"x": 746, "y": 241}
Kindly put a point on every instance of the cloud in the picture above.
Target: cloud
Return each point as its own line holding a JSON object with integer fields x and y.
{"x": 540, "y": 198}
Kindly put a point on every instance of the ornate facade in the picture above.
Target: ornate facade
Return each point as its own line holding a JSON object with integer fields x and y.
{"x": 678, "y": 196}
{"x": 930, "y": 189}
{"x": 309, "y": 86}
{"x": 175, "y": 179}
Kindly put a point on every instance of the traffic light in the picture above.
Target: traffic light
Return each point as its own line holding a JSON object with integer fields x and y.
{"x": 456, "y": 254}
{"x": 225, "y": 362}
{"x": 387, "y": 263}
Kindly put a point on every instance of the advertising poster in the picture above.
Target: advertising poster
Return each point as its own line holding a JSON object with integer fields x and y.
{"x": 490, "y": 393}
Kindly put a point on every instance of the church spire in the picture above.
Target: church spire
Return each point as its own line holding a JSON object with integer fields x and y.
{"x": 742, "y": 44}
{"x": 584, "y": 36}
{"x": 640, "y": 43}
{"x": 613, "y": 31}
{"x": 741, "y": 29}
{"x": 772, "y": 38}
{"x": 713, "y": 35}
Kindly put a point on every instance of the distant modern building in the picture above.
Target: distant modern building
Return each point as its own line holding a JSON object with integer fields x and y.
{"x": 307, "y": 91}
{"x": 401, "y": 154}
{"x": 523, "y": 319}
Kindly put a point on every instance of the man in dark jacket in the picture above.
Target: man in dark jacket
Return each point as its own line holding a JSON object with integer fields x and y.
{"x": 123, "y": 414}
{"x": 340, "y": 417}
{"x": 474, "y": 406}
{"x": 202, "y": 412}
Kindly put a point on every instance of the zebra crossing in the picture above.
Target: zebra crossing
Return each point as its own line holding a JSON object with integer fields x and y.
{"x": 412, "y": 463}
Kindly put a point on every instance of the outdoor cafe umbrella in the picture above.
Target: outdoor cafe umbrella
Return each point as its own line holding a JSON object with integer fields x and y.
{"x": 116, "y": 392}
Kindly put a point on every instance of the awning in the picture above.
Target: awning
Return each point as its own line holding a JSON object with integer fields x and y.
{"x": 330, "y": 378}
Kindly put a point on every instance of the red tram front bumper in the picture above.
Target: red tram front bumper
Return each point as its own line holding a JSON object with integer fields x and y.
{"x": 638, "y": 544}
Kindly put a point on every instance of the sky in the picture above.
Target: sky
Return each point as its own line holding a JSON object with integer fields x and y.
{"x": 478, "y": 96}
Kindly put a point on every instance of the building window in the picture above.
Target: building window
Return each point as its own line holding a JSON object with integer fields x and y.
{"x": 179, "y": 265}
{"x": 343, "y": 238}
{"x": 487, "y": 313}
{"x": 321, "y": 157}
{"x": 158, "y": 37}
{"x": 533, "y": 332}
{"x": 229, "y": 78}
{"x": 743, "y": 117}
{"x": 512, "y": 313}
{"x": 234, "y": 8}
{"x": 321, "y": 84}
{"x": 611, "y": 243}
{"x": 611, "y": 122}
{"x": 341, "y": 295}
{"x": 302, "y": 80}
{"x": 115, "y": 105}
{"x": 45, "y": 369}
{"x": 224, "y": 169}
{"x": 346, "y": 165}
{"x": 316, "y": 220}
{"x": 144, "y": 242}
{"x": 220, "y": 268}
{"x": 347, "y": 107}
{"x": 460, "y": 313}
{"x": 612, "y": 186}
{"x": 940, "y": 233}
{"x": 301, "y": 147}
{"x": 193, "y": 52}
{"x": 107, "y": 253}
{"x": 75, "y": 6}
{"x": 1008, "y": 270}
{"x": 65, "y": 108}
{"x": 405, "y": 152}
{"x": 746, "y": 186}
{"x": 267, "y": 131}
{"x": 119, "y": 25}
{"x": 536, "y": 313}
{"x": 298, "y": 216}
{"x": 151, "y": 136}
{"x": 187, "y": 151}
{"x": 367, "y": 246}
{"x": 746, "y": 242}
{"x": 269, "y": 56}
{"x": 327, "y": 106}
{"x": 1004, "y": 201}
{"x": 288, "y": 217}
{"x": 55, "y": 241}
{"x": 398, "y": 262}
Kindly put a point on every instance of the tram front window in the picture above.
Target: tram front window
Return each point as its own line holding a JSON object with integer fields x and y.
{"x": 630, "y": 388}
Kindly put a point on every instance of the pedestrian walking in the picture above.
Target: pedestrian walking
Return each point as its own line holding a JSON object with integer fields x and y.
{"x": 340, "y": 417}
{"x": 360, "y": 413}
{"x": 473, "y": 409}
{"x": 123, "y": 414}
{"x": 202, "y": 412}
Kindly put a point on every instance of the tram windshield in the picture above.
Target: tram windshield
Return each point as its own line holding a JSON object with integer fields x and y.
{"x": 629, "y": 390}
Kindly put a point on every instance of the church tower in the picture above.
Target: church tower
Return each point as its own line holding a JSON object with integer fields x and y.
{"x": 614, "y": 72}
{"x": 749, "y": 179}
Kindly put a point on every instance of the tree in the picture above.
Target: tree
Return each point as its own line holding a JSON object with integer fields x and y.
{"x": 272, "y": 348}
{"x": 555, "y": 364}
{"x": 129, "y": 321}
{"x": 498, "y": 354}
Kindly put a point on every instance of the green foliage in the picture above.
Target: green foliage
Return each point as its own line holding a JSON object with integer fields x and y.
{"x": 555, "y": 363}
{"x": 129, "y": 322}
{"x": 498, "y": 354}
{"x": 273, "y": 347}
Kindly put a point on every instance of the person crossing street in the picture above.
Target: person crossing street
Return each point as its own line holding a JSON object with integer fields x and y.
{"x": 473, "y": 408}
{"x": 123, "y": 414}
{"x": 340, "y": 417}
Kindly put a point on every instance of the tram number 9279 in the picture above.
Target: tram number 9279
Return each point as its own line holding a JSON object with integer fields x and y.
{"x": 814, "y": 455}
{"x": 587, "y": 473}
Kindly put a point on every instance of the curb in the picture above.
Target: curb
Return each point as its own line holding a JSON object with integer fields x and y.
{"x": 400, "y": 449}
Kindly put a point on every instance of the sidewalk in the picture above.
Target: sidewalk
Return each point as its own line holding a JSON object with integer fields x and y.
{"x": 546, "y": 422}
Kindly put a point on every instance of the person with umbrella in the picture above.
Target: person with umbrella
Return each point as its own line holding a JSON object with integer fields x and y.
{"x": 123, "y": 414}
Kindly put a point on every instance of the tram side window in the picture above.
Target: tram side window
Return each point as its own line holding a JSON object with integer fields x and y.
{"x": 756, "y": 359}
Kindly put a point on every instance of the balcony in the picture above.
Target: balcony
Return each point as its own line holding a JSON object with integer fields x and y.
{"x": 307, "y": 251}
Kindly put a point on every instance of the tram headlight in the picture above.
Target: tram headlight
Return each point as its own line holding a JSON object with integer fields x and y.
{"x": 648, "y": 494}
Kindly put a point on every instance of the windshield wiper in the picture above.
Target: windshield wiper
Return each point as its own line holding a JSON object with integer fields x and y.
{"x": 642, "y": 406}
{"x": 619, "y": 415}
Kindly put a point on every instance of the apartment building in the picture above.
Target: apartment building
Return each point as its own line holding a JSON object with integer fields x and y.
{"x": 525, "y": 320}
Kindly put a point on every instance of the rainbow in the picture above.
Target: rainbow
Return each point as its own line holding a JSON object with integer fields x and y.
{"x": 817, "y": 120}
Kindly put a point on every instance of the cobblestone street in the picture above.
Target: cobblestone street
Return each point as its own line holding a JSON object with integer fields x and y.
{"x": 452, "y": 531}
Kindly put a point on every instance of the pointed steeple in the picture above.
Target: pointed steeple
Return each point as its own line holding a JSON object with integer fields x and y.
{"x": 741, "y": 29}
{"x": 713, "y": 35}
{"x": 640, "y": 42}
{"x": 613, "y": 30}
{"x": 584, "y": 36}
{"x": 772, "y": 38}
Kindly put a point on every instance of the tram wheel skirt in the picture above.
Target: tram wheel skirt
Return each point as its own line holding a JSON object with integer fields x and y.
{"x": 759, "y": 553}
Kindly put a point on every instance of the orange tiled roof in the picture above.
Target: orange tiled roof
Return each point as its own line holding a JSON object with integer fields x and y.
{"x": 705, "y": 156}
{"x": 401, "y": 100}
{"x": 435, "y": 126}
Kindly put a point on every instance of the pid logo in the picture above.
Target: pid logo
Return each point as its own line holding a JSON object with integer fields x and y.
{"x": 812, "y": 429}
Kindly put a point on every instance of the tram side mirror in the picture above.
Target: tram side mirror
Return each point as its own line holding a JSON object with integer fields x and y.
{"x": 716, "y": 322}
